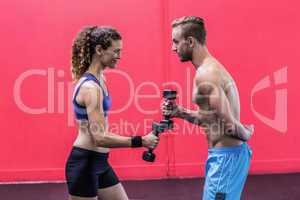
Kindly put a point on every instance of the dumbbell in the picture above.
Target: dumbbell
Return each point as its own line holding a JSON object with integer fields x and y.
{"x": 158, "y": 128}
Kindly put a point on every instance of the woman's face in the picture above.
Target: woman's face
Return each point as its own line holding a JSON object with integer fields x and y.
{"x": 112, "y": 54}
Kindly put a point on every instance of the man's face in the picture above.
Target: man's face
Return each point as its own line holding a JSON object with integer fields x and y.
{"x": 180, "y": 45}
{"x": 112, "y": 54}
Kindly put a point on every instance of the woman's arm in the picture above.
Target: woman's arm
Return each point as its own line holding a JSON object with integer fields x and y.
{"x": 93, "y": 98}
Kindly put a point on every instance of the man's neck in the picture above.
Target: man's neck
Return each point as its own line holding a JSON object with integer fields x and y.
{"x": 200, "y": 55}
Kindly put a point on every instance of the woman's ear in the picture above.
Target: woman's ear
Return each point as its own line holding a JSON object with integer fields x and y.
{"x": 99, "y": 50}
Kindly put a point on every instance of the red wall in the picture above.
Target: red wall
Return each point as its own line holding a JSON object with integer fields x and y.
{"x": 255, "y": 40}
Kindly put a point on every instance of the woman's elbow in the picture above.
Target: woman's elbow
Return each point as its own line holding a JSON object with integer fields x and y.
{"x": 100, "y": 140}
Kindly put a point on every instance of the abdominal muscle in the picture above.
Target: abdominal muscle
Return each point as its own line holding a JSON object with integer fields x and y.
{"x": 214, "y": 126}
{"x": 85, "y": 140}
{"x": 217, "y": 138}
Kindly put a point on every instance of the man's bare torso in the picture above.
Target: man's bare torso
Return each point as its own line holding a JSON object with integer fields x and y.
{"x": 214, "y": 126}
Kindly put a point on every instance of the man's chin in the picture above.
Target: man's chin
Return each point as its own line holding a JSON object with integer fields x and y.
{"x": 184, "y": 60}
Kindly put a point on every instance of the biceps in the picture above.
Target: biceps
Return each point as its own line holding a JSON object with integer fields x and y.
{"x": 95, "y": 115}
{"x": 219, "y": 102}
{"x": 96, "y": 122}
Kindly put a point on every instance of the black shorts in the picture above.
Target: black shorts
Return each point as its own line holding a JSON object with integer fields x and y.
{"x": 87, "y": 171}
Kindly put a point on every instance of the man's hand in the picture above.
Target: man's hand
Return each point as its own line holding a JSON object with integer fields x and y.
{"x": 171, "y": 109}
{"x": 249, "y": 128}
{"x": 241, "y": 131}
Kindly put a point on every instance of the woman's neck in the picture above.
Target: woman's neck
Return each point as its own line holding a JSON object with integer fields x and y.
{"x": 96, "y": 70}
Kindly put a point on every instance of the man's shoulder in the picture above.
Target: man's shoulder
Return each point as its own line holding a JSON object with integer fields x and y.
{"x": 211, "y": 73}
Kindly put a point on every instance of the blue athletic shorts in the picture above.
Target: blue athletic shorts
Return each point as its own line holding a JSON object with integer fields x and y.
{"x": 226, "y": 172}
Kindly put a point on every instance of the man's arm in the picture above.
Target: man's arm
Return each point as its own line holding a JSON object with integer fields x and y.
{"x": 210, "y": 93}
{"x": 192, "y": 116}
{"x": 209, "y": 89}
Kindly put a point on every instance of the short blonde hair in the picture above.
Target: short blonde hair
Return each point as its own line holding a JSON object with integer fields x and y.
{"x": 191, "y": 26}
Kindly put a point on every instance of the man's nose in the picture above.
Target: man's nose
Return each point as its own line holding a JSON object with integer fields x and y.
{"x": 174, "y": 48}
{"x": 118, "y": 56}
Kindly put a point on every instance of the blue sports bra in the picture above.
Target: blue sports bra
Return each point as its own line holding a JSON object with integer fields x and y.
{"x": 79, "y": 110}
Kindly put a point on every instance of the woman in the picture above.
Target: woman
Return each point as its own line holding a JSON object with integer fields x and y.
{"x": 88, "y": 173}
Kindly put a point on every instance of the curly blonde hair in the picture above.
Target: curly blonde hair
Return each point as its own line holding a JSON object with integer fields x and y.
{"x": 83, "y": 47}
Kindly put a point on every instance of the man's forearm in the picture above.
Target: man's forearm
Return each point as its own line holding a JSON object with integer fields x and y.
{"x": 191, "y": 116}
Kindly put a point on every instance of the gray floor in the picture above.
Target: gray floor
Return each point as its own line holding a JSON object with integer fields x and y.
{"x": 262, "y": 187}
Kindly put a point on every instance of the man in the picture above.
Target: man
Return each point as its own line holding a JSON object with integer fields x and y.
{"x": 217, "y": 98}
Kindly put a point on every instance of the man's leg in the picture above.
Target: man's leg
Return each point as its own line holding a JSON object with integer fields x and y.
{"x": 226, "y": 173}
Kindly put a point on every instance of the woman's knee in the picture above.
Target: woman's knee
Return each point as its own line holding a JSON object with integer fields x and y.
{"x": 115, "y": 192}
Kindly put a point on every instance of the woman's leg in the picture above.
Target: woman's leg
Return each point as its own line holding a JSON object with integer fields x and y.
{"x": 115, "y": 192}
{"x": 81, "y": 181}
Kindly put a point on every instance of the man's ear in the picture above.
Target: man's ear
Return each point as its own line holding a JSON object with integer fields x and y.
{"x": 191, "y": 41}
{"x": 99, "y": 49}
